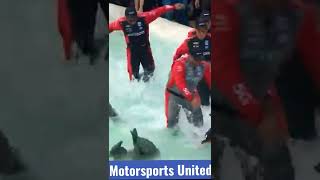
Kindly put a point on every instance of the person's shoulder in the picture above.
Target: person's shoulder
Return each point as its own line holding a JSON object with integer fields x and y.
{"x": 206, "y": 64}
{"x": 191, "y": 33}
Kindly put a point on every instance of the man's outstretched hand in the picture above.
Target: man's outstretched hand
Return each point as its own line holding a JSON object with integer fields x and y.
{"x": 179, "y": 6}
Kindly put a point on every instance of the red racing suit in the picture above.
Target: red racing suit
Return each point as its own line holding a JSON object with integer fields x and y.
{"x": 65, "y": 27}
{"x": 141, "y": 35}
{"x": 230, "y": 80}
{"x": 183, "y": 80}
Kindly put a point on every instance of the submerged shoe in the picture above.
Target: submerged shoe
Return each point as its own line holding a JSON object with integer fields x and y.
{"x": 175, "y": 130}
{"x": 146, "y": 76}
{"x": 209, "y": 137}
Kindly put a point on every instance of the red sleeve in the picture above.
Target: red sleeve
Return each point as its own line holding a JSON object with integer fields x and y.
{"x": 207, "y": 74}
{"x": 191, "y": 33}
{"x": 115, "y": 25}
{"x": 309, "y": 45}
{"x": 178, "y": 73}
{"x": 154, "y": 14}
{"x": 182, "y": 49}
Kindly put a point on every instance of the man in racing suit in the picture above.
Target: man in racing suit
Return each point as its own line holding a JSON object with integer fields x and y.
{"x": 136, "y": 30}
{"x": 181, "y": 89}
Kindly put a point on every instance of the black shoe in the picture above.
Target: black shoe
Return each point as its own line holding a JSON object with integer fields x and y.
{"x": 209, "y": 136}
{"x": 175, "y": 131}
{"x": 137, "y": 77}
{"x": 146, "y": 76}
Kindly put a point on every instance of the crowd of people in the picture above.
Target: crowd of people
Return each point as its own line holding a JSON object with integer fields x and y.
{"x": 186, "y": 16}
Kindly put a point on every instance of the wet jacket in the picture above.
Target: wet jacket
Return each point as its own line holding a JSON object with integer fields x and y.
{"x": 185, "y": 77}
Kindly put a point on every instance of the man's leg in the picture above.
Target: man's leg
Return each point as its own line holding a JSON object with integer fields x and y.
{"x": 90, "y": 40}
{"x": 194, "y": 116}
{"x": 133, "y": 63}
{"x": 78, "y": 23}
{"x": 204, "y": 93}
{"x": 147, "y": 62}
{"x": 172, "y": 110}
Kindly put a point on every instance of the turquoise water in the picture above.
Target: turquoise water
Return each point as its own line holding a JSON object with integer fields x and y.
{"x": 141, "y": 105}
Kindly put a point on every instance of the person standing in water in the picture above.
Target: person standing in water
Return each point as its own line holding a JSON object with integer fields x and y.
{"x": 201, "y": 33}
{"x": 135, "y": 27}
{"x": 181, "y": 89}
